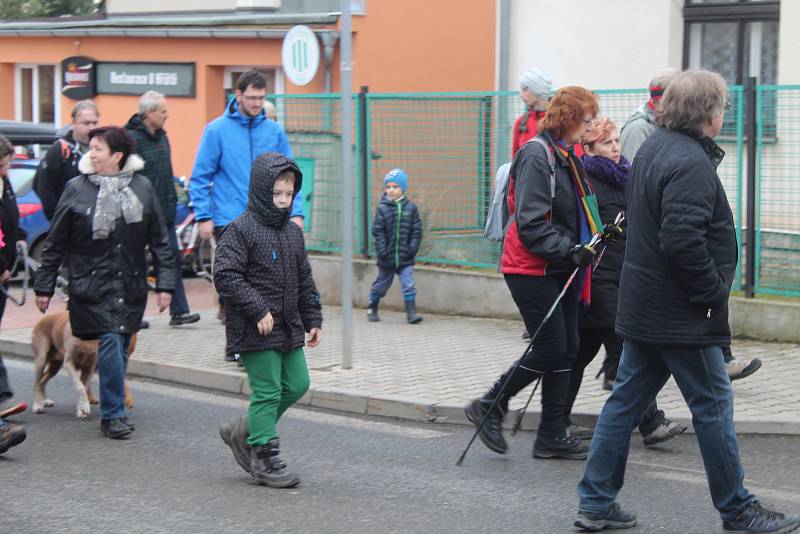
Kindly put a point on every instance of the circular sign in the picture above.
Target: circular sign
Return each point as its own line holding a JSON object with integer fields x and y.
{"x": 77, "y": 77}
{"x": 300, "y": 55}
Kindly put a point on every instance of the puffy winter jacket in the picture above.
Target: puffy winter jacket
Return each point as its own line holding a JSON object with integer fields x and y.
{"x": 397, "y": 230}
{"x": 261, "y": 267}
{"x": 107, "y": 277}
{"x": 221, "y": 175}
{"x": 545, "y": 225}
{"x": 680, "y": 256}
{"x": 154, "y": 149}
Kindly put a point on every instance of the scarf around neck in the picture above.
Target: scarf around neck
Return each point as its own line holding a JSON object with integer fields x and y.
{"x": 115, "y": 198}
{"x": 588, "y": 215}
{"x": 605, "y": 170}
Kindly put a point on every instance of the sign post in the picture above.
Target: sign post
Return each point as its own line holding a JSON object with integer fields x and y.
{"x": 347, "y": 188}
{"x": 300, "y": 55}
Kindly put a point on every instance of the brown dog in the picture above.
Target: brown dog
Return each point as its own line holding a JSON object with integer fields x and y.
{"x": 53, "y": 346}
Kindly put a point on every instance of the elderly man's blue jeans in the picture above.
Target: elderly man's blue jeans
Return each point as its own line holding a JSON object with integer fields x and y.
{"x": 112, "y": 360}
{"x": 644, "y": 369}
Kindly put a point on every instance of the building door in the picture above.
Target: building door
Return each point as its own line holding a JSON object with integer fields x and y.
{"x": 36, "y": 99}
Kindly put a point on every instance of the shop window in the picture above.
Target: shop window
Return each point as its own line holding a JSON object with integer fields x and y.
{"x": 36, "y": 93}
{"x": 738, "y": 39}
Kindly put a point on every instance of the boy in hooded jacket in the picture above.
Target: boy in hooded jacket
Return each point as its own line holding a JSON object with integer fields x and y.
{"x": 397, "y": 229}
{"x": 262, "y": 272}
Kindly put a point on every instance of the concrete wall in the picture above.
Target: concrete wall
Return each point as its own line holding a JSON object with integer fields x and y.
{"x": 602, "y": 45}
{"x": 460, "y": 292}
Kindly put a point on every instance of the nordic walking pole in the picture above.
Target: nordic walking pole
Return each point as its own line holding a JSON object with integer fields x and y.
{"x": 518, "y": 423}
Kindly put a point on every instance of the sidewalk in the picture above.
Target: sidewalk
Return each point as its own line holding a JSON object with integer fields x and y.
{"x": 428, "y": 372}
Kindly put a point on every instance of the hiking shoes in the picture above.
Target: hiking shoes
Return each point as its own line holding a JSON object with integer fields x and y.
{"x": 564, "y": 446}
{"x": 491, "y": 433}
{"x": 742, "y": 368}
{"x": 184, "y": 318}
{"x": 11, "y": 435}
{"x": 613, "y": 518}
{"x": 664, "y": 432}
{"x": 756, "y": 519}
{"x": 581, "y": 432}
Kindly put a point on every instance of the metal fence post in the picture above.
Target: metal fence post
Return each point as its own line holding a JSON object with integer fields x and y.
{"x": 752, "y": 147}
{"x": 363, "y": 147}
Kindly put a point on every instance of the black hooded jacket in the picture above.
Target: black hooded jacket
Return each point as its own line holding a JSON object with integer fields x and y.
{"x": 261, "y": 267}
{"x": 59, "y": 166}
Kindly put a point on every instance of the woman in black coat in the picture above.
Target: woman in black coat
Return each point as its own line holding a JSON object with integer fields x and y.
{"x": 103, "y": 222}
{"x": 608, "y": 171}
{"x": 10, "y": 434}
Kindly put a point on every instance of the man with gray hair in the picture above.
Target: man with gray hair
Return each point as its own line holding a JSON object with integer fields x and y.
{"x": 680, "y": 261}
{"x": 152, "y": 144}
{"x": 60, "y": 163}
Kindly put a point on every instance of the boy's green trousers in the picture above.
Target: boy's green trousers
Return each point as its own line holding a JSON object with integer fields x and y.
{"x": 277, "y": 380}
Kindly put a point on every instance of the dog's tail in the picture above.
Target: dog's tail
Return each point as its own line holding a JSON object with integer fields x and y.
{"x": 50, "y": 369}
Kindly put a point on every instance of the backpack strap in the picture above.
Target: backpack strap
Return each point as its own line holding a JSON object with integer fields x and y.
{"x": 66, "y": 150}
{"x": 551, "y": 159}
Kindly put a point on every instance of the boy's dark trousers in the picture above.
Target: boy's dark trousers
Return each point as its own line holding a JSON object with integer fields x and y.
{"x": 384, "y": 281}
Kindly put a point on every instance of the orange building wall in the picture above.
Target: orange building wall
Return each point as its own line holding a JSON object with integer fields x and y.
{"x": 397, "y": 47}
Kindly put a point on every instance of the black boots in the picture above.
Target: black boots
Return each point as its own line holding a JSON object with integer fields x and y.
{"x": 561, "y": 445}
{"x": 234, "y": 434}
{"x": 491, "y": 433}
{"x": 372, "y": 311}
{"x": 268, "y": 469}
{"x": 115, "y": 428}
{"x": 411, "y": 313}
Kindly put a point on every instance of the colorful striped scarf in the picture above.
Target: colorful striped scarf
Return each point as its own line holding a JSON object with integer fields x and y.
{"x": 588, "y": 217}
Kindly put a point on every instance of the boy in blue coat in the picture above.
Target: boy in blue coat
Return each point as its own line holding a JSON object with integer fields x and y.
{"x": 397, "y": 229}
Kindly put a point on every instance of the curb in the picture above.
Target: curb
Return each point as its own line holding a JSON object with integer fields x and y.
{"x": 371, "y": 403}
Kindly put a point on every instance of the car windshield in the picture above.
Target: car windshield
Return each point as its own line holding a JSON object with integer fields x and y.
{"x": 21, "y": 179}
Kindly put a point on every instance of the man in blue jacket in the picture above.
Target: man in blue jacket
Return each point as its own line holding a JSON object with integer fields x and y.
{"x": 230, "y": 143}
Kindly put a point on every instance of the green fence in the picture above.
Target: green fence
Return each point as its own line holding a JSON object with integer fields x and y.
{"x": 451, "y": 144}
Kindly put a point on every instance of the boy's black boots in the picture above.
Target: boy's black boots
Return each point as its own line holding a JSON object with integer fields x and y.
{"x": 268, "y": 469}
{"x": 372, "y": 311}
{"x": 234, "y": 434}
{"x": 411, "y": 313}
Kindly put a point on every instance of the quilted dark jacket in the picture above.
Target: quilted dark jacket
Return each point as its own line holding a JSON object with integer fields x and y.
{"x": 397, "y": 230}
{"x": 261, "y": 267}
{"x": 107, "y": 277}
{"x": 154, "y": 149}
{"x": 680, "y": 256}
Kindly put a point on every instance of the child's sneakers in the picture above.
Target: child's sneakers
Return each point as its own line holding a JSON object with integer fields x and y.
{"x": 268, "y": 469}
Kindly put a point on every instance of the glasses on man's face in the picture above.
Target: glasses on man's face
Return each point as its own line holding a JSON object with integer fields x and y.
{"x": 251, "y": 98}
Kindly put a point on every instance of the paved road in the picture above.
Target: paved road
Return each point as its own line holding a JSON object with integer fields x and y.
{"x": 359, "y": 475}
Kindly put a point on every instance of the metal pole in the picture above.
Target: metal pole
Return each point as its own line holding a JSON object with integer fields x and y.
{"x": 750, "y": 235}
{"x": 364, "y": 151}
{"x": 347, "y": 188}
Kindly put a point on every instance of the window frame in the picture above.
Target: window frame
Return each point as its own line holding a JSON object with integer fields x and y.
{"x": 18, "y": 67}
{"x": 739, "y": 11}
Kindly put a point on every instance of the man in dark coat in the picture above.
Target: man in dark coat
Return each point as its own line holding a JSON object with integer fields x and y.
{"x": 152, "y": 144}
{"x": 60, "y": 163}
{"x": 680, "y": 261}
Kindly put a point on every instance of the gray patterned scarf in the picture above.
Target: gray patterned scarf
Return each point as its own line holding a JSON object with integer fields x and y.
{"x": 115, "y": 198}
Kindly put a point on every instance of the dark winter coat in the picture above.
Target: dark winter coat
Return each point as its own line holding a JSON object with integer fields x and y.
{"x": 59, "y": 166}
{"x": 397, "y": 230}
{"x": 154, "y": 149}
{"x": 680, "y": 257}
{"x": 261, "y": 267}
{"x": 107, "y": 277}
{"x": 545, "y": 227}
{"x": 609, "y": 183}
{"x": 9, "y": 223}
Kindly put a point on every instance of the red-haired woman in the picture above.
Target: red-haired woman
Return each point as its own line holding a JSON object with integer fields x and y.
{"x": 543, "y": 246}
{"x": 608, "y": 171}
